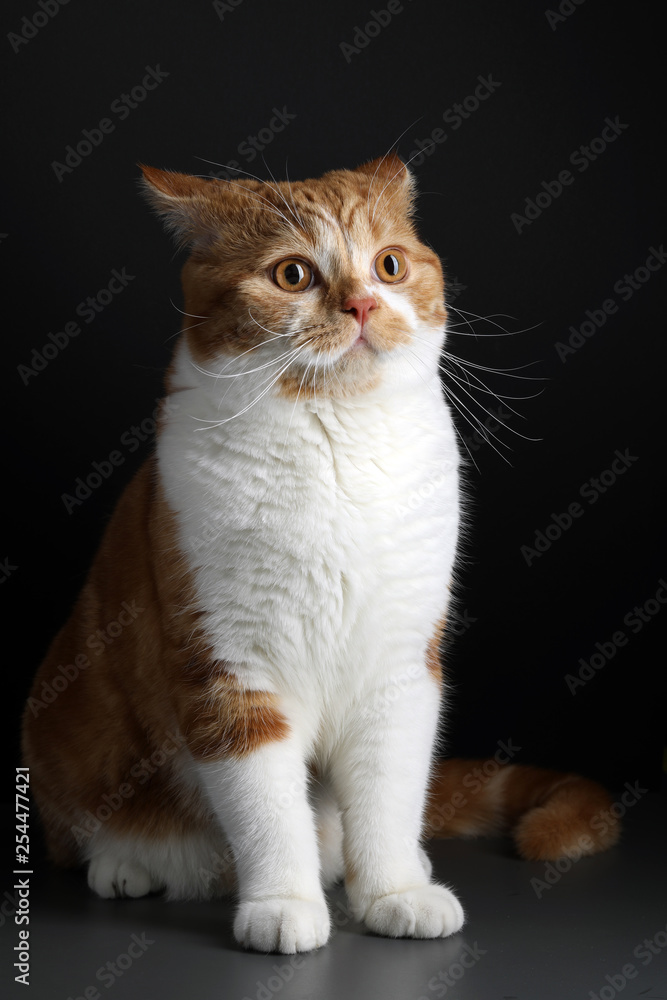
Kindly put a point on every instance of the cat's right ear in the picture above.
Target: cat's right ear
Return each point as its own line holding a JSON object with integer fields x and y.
{"x": 390, "y": 174}
{"x": 182, "y": 201}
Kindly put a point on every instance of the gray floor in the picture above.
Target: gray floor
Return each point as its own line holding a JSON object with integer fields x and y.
{"x": 598, "y": 930}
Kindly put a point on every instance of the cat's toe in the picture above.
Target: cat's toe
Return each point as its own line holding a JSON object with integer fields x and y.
{"x": 102, "y": 876}
{"x": 283, "y": 925}
{"x": 133, "y": 880}
{"x": 427, "y": 911}
{"x": 109, "y": 877}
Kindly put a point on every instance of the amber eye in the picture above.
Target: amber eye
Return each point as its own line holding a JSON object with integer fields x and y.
{"x": 292, "y": 275}
{"x": 391, "y": 265}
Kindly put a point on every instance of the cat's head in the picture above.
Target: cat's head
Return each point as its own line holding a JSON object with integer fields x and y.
{"x": 324, "y": 279}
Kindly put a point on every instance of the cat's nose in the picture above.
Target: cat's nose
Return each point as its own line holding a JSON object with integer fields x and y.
{"x": 360, "y": 308}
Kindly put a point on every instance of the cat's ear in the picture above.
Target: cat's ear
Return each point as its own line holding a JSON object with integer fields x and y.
{"x": 183, "y": 202}
{"x": 390, "y": 175}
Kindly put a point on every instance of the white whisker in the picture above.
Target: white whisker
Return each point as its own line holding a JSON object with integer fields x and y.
{"x": 392, "y": 179}
{"x": 333, "y": 368}
{"x": 291, "y": 194}
{"x": 186, "y": 329}
{"x": 506, "y": 372}
{"x": 317, "y": 361}
{"x": 256, "y": 194}
{"x": 463, "y": 313}
{"x": 484, "y": 388}
{"x": 463, "y": 440}
{"x": 249, "y": 371}
{"x": 512, "y": 430}
{"x": 381, "y": 161}
{"x": 480, "y": 428}
{"x": 274, "y": 332}
{"x": 192, "y": 315}
{"x": 279, "y": 192}
{"x": 289, "y": 426}
{"x": 272, "y": 381}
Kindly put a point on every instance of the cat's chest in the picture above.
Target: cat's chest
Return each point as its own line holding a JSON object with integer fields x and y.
{"x": 301, "y": 525}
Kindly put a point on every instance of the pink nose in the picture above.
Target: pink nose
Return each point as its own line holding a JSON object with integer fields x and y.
{"x": 360, "y": 308}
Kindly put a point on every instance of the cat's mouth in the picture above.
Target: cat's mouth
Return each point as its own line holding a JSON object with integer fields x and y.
{"x": 363, "y": 342}
{"x": 341, "y": 344}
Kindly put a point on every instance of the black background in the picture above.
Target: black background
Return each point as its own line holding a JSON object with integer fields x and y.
{"x": 227, "y": 72}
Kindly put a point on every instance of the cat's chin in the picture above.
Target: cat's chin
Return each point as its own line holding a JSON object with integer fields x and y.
{"x": 355, "y": 371}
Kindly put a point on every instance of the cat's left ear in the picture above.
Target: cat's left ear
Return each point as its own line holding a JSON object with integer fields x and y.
{"x": 391, "y": 178}
{"x": 183, "y": 202}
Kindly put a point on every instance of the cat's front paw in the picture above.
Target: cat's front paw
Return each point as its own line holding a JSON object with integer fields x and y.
{"x": 284, "y": 925}
{"x": 427, "y": 911}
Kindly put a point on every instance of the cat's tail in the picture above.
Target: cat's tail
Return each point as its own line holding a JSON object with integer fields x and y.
{"x": 549, "y": 814}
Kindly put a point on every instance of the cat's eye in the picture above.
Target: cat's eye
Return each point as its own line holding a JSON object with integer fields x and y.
{"x": 292, "y": 275}
{"x": 391, "y": 265}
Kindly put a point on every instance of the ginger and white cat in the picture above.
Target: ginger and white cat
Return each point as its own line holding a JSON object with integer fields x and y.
{"x": 272, "y": 693}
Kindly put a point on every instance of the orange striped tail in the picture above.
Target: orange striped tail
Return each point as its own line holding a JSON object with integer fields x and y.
{"x": 549, "y": 814}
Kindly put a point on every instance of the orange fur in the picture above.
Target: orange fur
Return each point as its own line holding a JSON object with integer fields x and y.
{"x": 548, "y": 813}
{"x": 224, "y": 718}
{"x": 433, "y": 660}
{"x": 222, "y": 269}
{"x": 157, "y": 678}
{"x": 151, "y": 681}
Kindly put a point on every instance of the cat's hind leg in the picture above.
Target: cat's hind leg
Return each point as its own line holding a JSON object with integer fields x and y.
{"x": 192, "y": 866}
{"x": 110, "y": 876}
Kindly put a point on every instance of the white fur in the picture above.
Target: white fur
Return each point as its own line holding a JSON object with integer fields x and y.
{"x": 321, "y": 535}
{"x": 195, "y": 867}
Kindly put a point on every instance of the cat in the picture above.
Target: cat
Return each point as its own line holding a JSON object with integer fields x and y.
{"x": 249, "y": 683}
